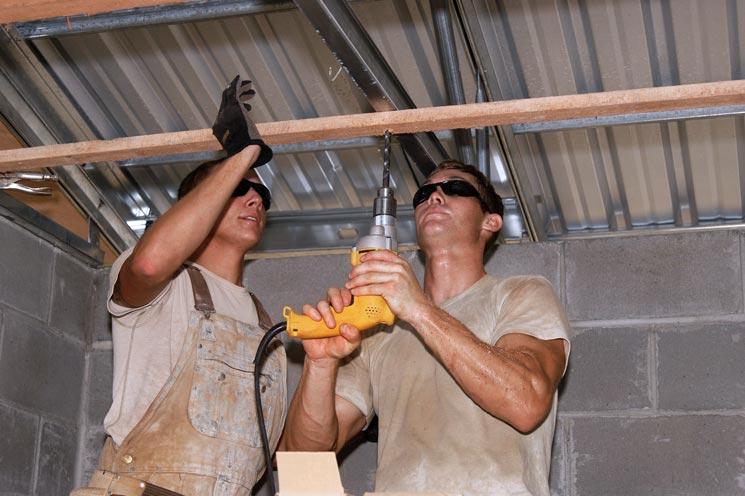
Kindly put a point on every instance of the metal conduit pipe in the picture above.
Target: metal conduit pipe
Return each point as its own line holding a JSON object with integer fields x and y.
{"x": 450, "y": 69}
{"x": 482, "y": 134}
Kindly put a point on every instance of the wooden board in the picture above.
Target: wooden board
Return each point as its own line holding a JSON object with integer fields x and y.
{"x": 724, "y": 93}
{"x": 33, "y": 10}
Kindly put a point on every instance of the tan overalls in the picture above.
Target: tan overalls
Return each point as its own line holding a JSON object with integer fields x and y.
{"x": 200, "y": 436}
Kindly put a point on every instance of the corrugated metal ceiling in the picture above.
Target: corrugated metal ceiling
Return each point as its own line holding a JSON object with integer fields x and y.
{"x": 560, "y": 179}
{"x": 682, "y": 173}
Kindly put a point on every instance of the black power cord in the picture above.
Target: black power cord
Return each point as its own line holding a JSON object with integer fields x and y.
{"x": 263, "y": 345}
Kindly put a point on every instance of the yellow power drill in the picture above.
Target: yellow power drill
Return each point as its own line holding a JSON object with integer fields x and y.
{"x": 365, "y": 311}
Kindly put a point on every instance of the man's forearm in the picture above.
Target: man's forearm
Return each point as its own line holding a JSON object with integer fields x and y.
{"x": 183, "y": 228}
{"x": 514, "y": 383}
{"x": 312, "y": 424}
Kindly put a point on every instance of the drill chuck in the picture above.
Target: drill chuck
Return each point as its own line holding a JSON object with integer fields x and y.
{"x": 382, "y": 235}
{"x": 385, "y": 203}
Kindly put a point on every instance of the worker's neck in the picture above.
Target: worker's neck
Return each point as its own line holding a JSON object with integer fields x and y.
{"x": 449, "y": 272}
{"x": 224, "y": 263}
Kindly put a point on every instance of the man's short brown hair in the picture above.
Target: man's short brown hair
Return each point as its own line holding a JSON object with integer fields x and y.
{"x": 195, "y": 177}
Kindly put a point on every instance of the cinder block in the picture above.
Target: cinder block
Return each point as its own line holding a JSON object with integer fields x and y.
{"x": 71, "y": 297}
{"x": 261, "y": 488}
{"x": 99, "y": 385}
{"x": 683, "y": 455}
{"x": 557, "y": 476}
{"x": 358, "y": 468}
{"x": 702, "y": 367}
{"x": 94, "y": 440}
{"x": 40, "y": 370}
{"x": 17, "y": 450}
{"x": 25, "y": 271}
{"x": 543, "y": 259}
{"x": 608, "y": 370}
{"x": 295, "y": 281}
{"x": 654, "y": 276}
{"x": 56, "y": 459}
{"x": 101, "y": 318}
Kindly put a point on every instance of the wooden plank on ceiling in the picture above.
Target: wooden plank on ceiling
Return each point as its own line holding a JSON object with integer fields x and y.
{"x": 12, "y": 11}
{"x": 724, "y": 93}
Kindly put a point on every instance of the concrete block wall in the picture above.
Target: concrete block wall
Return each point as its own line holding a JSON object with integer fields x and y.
{"x": 653, "y": 402}
{"x": 46, "y": 321}
{"x": 98, "y": 382}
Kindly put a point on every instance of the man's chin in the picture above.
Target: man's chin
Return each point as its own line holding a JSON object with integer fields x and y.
{"x": 251, "y": 242}
{"x": 434, "y": 226}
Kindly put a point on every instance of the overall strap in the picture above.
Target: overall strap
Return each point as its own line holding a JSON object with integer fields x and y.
{"x": 202, "y": 298}
{"x": 265, "y": 321}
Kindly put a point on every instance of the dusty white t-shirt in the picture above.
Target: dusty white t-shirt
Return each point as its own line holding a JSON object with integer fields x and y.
{"x": 147, "y": 340}
{"x": 434, "y": 438}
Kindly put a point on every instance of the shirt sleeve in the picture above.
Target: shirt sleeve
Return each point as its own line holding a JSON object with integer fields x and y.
{"x": 353, "y": 381}
{"x": 530, "y": 306}
{"x": 123, "y": 313}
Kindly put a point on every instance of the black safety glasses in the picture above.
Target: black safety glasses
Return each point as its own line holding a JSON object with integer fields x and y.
{"x": 453, "y": 187}
{"x": 245, "y": 185}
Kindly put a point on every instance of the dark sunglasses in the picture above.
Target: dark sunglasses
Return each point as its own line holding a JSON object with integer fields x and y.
{"x": 245, "y": 185}
{"x": 453, "y": 187}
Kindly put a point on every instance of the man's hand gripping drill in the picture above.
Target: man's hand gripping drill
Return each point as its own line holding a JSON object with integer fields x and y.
{"x": 364, "y": 311}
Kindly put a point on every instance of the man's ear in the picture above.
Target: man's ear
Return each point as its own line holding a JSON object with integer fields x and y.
{"x": 492, "y": 223}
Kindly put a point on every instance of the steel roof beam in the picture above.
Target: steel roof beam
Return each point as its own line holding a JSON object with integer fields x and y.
{"x": 26, "y": 93}
{"x": 628, "y": 119}
{"x": 147, "y": 16}
{"x": 327, "y": 229}
{"x": 285, "y": 149}
{"x": 339, "y": 228}
{"x": 356, "y": 52}
{"x": 30, "y": 10}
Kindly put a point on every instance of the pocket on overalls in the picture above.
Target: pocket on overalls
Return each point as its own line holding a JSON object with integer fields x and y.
{"x": 222, "y": 403}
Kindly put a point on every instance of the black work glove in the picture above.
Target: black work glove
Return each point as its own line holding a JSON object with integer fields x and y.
{"x": 233, "y": 128}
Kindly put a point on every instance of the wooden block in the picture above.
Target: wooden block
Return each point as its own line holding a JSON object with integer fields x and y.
{"x": 411, "y": 494}
{"x": 308, "y": 474}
